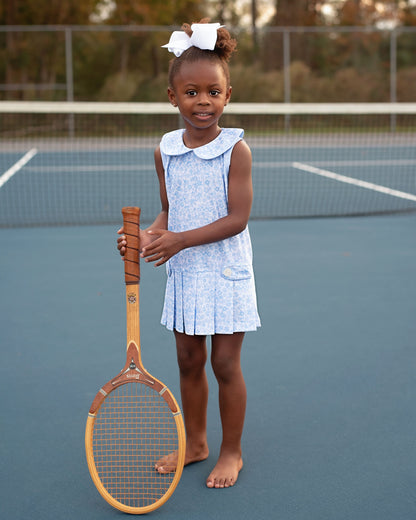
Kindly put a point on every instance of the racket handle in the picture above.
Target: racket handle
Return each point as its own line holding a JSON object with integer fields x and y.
{"x": 131, "y": 224}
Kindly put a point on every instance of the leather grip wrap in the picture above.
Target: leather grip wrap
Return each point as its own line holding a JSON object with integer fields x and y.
{"x": 131, "y": 224}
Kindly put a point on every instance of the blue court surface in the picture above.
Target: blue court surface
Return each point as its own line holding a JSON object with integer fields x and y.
{"x": 89, "y": 182}
{"x": 330, "y": 425}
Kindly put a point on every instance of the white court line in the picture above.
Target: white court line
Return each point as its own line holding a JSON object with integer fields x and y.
{"x": 369, "y": 162}
{"x": 17, "y": 166}
{"x": 92, "y": 168}
{"x": 356, "y": 182}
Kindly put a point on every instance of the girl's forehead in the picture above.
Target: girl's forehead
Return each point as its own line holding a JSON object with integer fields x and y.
{"x": 202, "y": 70}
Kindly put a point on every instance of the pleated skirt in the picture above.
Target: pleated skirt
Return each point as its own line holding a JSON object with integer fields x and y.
{"x": 211, "y": 302}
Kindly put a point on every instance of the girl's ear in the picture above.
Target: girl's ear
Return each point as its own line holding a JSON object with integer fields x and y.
{"x": 228, "y": 96}
{"x": 172, "y": 97}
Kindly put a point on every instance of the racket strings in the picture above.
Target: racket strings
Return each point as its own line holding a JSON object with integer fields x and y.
{"x": 134, "y": 429}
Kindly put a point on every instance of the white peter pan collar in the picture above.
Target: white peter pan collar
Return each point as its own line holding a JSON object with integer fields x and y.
{"x": 172, "y": 143}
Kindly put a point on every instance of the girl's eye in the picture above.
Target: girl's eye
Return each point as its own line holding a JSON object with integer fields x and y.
{"x": 214, "y": 93}
{"x": 191, "y": 92}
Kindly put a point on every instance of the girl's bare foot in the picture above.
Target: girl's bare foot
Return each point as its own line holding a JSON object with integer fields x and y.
{"x": 225, "y": 473}
{"x": 168, "y": 464}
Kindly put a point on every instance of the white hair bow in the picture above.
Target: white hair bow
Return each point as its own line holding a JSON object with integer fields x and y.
{"x": 204, "y": 36}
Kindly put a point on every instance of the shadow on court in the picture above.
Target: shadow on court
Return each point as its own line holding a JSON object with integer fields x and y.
{"x": 331, "y": 381}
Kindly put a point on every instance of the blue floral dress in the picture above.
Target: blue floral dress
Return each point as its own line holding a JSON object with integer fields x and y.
{"x": 210, "y": 288}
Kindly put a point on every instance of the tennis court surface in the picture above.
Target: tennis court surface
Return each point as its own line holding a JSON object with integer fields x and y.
{"x": 331, "y": 382}
{"x": 330, "y": 422}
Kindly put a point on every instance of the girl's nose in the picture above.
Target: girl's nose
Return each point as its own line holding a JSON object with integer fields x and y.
{"x": 203, "y": 99}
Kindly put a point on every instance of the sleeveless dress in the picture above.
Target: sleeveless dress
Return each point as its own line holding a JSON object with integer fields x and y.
{"x": 210, "y": 288}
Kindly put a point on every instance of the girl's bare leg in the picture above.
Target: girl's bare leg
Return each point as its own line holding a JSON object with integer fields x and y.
{"x": 192, "y": 356}
{"x": 226, "y": 350}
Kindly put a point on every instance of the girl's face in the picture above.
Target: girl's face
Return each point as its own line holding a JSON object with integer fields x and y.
{"x": 200, "y": 91}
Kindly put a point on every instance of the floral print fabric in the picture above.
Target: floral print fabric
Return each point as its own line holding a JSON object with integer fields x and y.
{"x": 210, "y": 288}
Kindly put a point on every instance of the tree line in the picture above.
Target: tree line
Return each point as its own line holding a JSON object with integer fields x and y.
{"x": 129, "y": 65}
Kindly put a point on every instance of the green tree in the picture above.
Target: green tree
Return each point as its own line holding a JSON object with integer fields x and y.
{"x": 150, "y": 12}
{"x": 297, "y": 13}
{"x": 130, "y": 65}
{"x": 38, "y": 57}
{"x": 291, "y": 13}
{"x": 154, "y": 12}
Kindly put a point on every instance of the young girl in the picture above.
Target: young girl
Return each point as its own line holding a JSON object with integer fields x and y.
{"x": 201, "y": 234}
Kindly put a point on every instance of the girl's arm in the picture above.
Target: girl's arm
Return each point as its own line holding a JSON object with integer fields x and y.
{"x": 160, "y": 222}
{"x": 240, "y": 197}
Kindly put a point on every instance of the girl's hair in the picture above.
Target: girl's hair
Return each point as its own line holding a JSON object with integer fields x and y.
{"x": 224, "y": 48}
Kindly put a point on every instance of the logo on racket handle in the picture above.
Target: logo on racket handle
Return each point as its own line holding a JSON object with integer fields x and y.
{"x": 131, "y": 298}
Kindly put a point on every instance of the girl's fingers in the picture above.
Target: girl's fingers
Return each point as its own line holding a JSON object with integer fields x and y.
{"x": 151, "y": 249}
{"x": 154, "y": 257}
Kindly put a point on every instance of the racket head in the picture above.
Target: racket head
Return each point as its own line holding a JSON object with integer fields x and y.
{"x": 133, "y": 422}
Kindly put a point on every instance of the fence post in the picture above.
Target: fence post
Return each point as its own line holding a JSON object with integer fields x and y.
{"x": 286, "y": 73}
{"x": 393, "y": 75}
{"x": 69, "y": 77}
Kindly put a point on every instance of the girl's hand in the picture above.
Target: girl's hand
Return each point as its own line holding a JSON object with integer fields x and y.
{"x": 164, "y": 245}
{"x": 121, "y": 242}
{"x": 145, "y": 240}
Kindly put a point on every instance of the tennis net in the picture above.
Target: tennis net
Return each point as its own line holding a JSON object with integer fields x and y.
{"x": 79, "y": 163}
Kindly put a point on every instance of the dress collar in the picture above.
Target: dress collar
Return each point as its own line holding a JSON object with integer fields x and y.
{"x": 172, "y": 143}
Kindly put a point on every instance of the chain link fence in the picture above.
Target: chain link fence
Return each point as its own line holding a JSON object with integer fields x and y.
{"x": 276, "y": 64}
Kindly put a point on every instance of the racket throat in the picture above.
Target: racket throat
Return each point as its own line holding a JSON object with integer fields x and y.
{"x": 133, "y": 366}
{"x": 141, "y": 375}
{"x": 133, "y": 370}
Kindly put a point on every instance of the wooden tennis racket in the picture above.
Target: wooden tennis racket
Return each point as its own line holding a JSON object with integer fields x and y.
{"x": 134, "y": 420}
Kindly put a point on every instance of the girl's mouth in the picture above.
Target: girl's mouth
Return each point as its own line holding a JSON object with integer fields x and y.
{"x": 203, "y": 115}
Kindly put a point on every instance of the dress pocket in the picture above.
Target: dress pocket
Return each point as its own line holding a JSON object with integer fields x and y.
{"x": 235, "y": 273}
